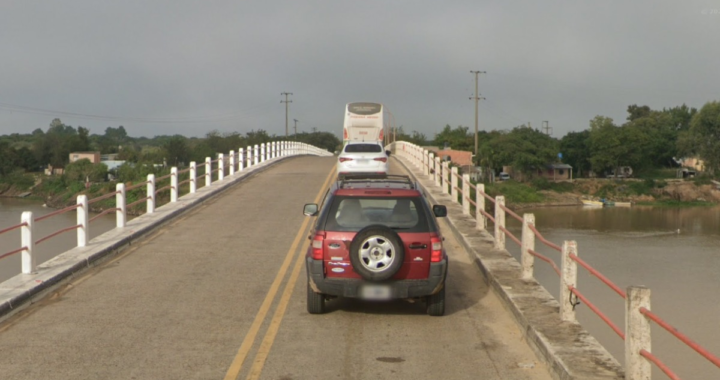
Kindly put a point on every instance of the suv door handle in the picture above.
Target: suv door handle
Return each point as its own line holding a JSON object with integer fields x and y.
{"x": 417, "y": 246}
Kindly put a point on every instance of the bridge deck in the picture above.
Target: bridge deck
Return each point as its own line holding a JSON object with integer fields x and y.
{"x": 220, "y": 293}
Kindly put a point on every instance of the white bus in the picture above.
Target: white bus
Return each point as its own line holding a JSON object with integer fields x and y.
{"x": 363, "y": 122}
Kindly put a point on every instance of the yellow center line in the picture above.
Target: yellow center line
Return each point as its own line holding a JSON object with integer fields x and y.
{"x": 272, "y": 331}
{"x": 249, "y": 340}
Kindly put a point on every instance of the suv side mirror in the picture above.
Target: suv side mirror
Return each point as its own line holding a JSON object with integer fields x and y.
{"x": 310, "y": 209}
{"x": 388, "y": 153}
{"x": 439, "y": 211}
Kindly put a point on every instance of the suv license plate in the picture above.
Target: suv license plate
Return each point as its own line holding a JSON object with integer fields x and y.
{"x": 375, "y": 292}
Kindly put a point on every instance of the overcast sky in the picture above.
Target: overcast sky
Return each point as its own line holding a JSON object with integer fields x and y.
{"x": 190, "y": 67}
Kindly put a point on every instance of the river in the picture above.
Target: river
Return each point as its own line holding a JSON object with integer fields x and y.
{"x": 11, "y": 210}
{"x": 673, "y": 251}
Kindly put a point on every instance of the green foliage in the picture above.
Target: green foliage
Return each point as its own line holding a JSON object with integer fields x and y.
{"x": 705, "y": 132}
{"x": 514, "y": 192}
{"x": 82, "y": 170}
{"x": 21, "y": 180}
{"x": 459, "y": 138}
{"x": 542, "y": 183}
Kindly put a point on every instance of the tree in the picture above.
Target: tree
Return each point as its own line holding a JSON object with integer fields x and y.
{"x": 457, "y": 139}
{"x": 576, "y": 152}
{"x": 705, "y": 129}
{"x": 177, "y": 151}
{"x": 525, "y": 149}
{"x": 606, "y": 149}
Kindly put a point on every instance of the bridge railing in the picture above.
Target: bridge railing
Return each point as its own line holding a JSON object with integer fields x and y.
{"x": 637, "y": 334}
{"x": 246, "y": 159}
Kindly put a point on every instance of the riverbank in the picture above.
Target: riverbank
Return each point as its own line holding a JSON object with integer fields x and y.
{"x": 673, "y": 193}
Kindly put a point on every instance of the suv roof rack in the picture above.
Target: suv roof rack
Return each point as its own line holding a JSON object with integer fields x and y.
{"x": 353, "y": 180}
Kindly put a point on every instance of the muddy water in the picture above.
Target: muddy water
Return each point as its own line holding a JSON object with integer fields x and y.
{"x": 674, "y": 252}
{"x": 11, "y": 210}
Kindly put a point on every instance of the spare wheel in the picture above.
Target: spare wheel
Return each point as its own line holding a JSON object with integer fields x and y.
{"x": 377, "y": 253}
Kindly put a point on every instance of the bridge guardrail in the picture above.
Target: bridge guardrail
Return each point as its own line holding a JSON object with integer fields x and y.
{"x": 246, "y": 160}
{"x": 637, "y": 334}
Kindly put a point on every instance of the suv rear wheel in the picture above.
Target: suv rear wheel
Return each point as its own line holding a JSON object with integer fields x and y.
{"x": 315, "y": 301}
{"x": 377, "y": 253}
{"x": 436, "y": 303}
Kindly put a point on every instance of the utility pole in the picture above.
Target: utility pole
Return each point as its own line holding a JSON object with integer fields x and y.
{"x": 295, "y": 127}
{"x": 546, "y": 128}
{"x": 286, "y": 101}
{"x": 477, "y": 99}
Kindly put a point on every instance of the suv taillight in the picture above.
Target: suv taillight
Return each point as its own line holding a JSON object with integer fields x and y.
{"x": 317, "y": 246}
{"x": 383, "y": 159}
{"x": 436, "y": 254}
{"x": 343, "y": 159}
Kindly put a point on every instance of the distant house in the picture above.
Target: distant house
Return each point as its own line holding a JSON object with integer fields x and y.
{"x": 556, "y": 172}
{"x": 461, "y": 158}
{"x": 93, "y": 157}
{"x": 551, "y": 172}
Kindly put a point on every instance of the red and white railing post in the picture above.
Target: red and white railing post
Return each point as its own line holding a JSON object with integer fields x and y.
{"x": 480, "y": 219}
{"x": 637, "y": 333}
{"x": 208, "y": 171}
{"x": 221, "y": 167}
{"x": 232, "y": 162}
{"x": 174, "y": 184}
{"x": 193, "y": 177}
{"x": 427, "y": 159}
{"x": 82, "y": 220}
{"x": 466, "y": 194}
{"x": 438, "y": 171}
{"x": 150, "y": 194}
{"x": 499, "y": 222}
{"x": 120, "y": 197}
{"x": 444, "y": 175}
{"x": 568, "y": 280}
{"x": 27, "y": 241}
{"x": 241, "y": 159}
{"x": 454, "y": 183}
{"x": 527, "y": 260}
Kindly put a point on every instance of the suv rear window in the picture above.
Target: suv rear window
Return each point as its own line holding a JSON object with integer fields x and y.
{"x": 355, "y": 213}
{"x": 363, "y": 148}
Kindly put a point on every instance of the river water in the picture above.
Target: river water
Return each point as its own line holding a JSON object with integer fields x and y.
{"x": 11, "y": 210}
{"x": 673, "y": 251}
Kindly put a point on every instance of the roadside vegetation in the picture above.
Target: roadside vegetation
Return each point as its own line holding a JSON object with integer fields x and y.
{"x": 650, "y": 141}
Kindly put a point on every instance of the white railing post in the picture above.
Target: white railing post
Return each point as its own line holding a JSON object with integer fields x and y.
{"x": 528, "y": 244}
{"x": 27, "y": 241}
{"x": 208, "y": 171}
{"x": 454, "y": 183}
{"x": 221, "y": 167}
{"x": 249, "y": 155}
{"x": 263, "y": 152}
{"x": 256, "y": 155}
{"x": 480, "y": 218}
{"x": 637, "y": 333}
{"x": 499, "y": 222}
{"x": 232, "y": 163}
{"x": 426, "y": 162}
{"x": 150, "y": 193}
{"x": 438, "y": 170}
{"x": 121, "y": 213}
{"x": 466, "y": 194}
{"x": 445, "y": 177}
{"x": 272, "y": 149}
{"x": 193, "y": 177}
{"x": 568, "y": 268}
{"x": 82, "y": 221}
{"x": 241, "y": 159}
{"x": 174, "y": 184}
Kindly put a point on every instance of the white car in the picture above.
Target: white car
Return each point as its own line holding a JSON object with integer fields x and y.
{"x": 363, "y": 158}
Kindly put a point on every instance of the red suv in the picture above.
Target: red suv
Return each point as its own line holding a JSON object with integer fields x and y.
{"x": 376, "y": 239}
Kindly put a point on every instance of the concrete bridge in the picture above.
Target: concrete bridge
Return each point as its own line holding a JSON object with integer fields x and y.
{"x": 213, "y": 287}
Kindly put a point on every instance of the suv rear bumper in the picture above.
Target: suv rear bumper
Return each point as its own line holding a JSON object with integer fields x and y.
{"x": 348, "y": 287}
